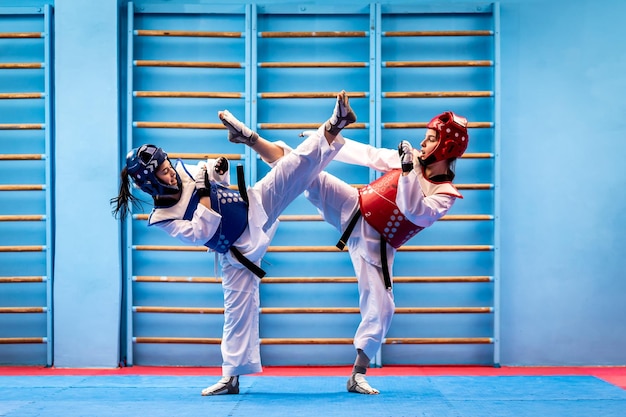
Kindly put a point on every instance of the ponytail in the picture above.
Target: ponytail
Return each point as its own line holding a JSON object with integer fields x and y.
{"x": 125, "y": 199}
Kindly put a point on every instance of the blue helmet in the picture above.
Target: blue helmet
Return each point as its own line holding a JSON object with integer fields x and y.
{"x": 142, "y": 164}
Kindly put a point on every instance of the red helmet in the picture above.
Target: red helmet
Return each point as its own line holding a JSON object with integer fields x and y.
{"x": 453, "y": 138}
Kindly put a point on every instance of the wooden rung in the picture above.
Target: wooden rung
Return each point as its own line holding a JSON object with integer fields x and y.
{"x": 403, "y": 33}
{"x": 188, "y": 33}
{"x": 187, "y": 64}
{"x": 304, "y": 126}
{"x": 307, "y": 341}
{"x": 13, "y": 280}
{"x": 202, "y": 156}
{"x": 22, "y": 217}
{"x": 437, "y": 340}
{"x": 20, "y": 35}
{"x": 474, "y": 186}
{"x": 21, "y": 157}
{"x": 316, "y": 280}
{"x": 433, "y": 248}
{"x": 301, "y": 249}
{"x": 308, "y": 280}
{"x": 21, "y": 65}
{"x": 436, "y": 64}
{"x": 327, "y": 34}
{"x": 421, "y": 125}
{"x": 437, "y": 94}
{"x": 300, "y": 218}
{"x": 444, "y": 279}
{"x": 178, "y": 125}
{"x": 22, "y": 248}
{"x": 355, "y": 310}
{"x": 170, "y": 248}
{"x": 467, "y": 217}
{"x": 396, "y": 280}
{"x": 21, "y": 126}
{"x": 477, "y": 155}
{"x": 20, "y": 95}
{"x": 443, "y": 310}
{"x": 187, "y": 94}
{"x": 328, "y": 94}
{"x": 320, "y": 340}
{"x": 190, "y": 280}
{"x": 312, "y": 64}
{"x": 179, "y": 310}
{"x": 19, "y": 310}
{"x": 21, "y": 187}
{"x": 179, "y": 340}
{"x": 446, "y": 248}
{"x": 22, "y": 340}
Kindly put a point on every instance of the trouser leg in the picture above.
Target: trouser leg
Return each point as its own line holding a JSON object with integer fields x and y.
{"x": 294, "y": 172}
{"x": 376, "y": 305}
{"x": 240, "y": 339}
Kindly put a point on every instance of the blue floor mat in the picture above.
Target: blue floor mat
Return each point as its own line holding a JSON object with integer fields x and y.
{"x": 442, "y": 396}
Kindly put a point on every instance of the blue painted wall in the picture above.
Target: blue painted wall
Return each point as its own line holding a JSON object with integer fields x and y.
{"x": 87, "y": 266}
{"x": 562, "y": 186}
{"x": 563, "y": 265}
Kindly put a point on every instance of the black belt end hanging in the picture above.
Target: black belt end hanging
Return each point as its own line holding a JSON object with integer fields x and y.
{"x": 241, "y": 183}
{"x": 385, "y": 265}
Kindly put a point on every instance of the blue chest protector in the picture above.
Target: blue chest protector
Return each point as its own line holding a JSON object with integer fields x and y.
{"x": 234, "y": 211}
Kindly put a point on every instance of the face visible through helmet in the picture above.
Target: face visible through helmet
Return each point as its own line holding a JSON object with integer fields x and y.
{"x": 429, "y": 144}
{"x": 167, "y": 174}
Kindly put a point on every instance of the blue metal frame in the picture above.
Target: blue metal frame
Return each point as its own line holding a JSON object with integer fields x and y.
{"x": 375, "y": 80}
{"x": 251, "y": 34}
{"x": 48, "y": 167}
{"x": 129, "y": 222}
{"x": 497, "y": 167}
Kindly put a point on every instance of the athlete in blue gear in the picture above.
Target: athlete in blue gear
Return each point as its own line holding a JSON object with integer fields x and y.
{"x": 195, "y": 205}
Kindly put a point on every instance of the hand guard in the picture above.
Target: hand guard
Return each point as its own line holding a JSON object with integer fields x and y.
{"x": 203, "y": 184}
{"x": 405, "y": 150}
{"x": 221, "y": 165}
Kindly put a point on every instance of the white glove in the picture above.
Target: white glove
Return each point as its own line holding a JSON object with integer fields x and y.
{"x": 405, "y": 150}
{"x": 203, "y": 185}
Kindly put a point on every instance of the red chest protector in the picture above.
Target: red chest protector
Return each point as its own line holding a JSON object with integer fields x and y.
{"x": 379, "y": 209}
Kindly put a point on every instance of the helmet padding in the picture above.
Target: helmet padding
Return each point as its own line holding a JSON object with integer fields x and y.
{"x": 142, "y": 164}
{"x": 452, "y": 134}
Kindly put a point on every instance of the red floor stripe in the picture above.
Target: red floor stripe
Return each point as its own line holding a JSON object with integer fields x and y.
{"x": 613, "y": 375}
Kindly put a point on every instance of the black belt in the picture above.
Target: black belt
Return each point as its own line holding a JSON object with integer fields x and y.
{"x": 383, "y": 246}
{"x": 256, "y": 270}
{"x": 383, "y": 260}
{"x": 346, "y": 234}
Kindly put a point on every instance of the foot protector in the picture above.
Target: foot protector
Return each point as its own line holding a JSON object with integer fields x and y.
{"x": 237, "y": 131}
{"x": 226, "y": 385}
{"x": 357, "y": 383}
{"x": 342, "y": 115}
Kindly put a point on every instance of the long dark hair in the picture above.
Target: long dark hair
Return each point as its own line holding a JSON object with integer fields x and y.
{"x": 125, "y": 199}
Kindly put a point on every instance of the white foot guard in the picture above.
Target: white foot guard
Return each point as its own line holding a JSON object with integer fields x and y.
{"x": 237, "y": 131}
{"x": 226, "y": 385}
{"x": 357, "y": 383}
{"x": 342, "y": 115}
